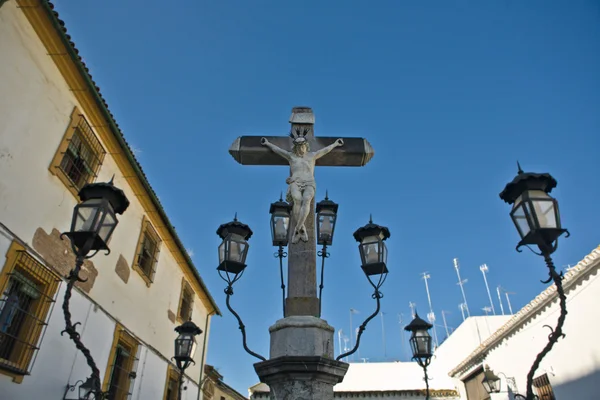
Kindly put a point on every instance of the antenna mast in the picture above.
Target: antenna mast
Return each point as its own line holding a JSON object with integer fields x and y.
{"x": 412, "y": 308}
{"x": 445, "y": 323}
{"x": 383, "y": 334}
{"x": 508, "y": 300}
{"x": 461, "y": 306}
{"x": 403, "y": 343}
{"x": 487, "y": 310}
{"x": 340, "y": 341}
{"x": 484, "y": 269}
{"x": 431, "y": 315}
{"x": 498, "y": 289}
{"x": 461, "y": 282}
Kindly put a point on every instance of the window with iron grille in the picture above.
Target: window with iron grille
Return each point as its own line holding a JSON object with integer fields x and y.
{"x": 28, "y": 292}
{"x": 186, "y": 303}
{"x": 79, "y": 155}
{"x": 543, "y": 387}
{"x": 147, "y": 251}
{"x": 172, "y": 384}
{"x": 122, "y": 368}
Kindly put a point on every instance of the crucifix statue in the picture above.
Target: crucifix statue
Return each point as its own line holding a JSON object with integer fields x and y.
{"x": 301, "y": 182}
{"x": 302, "y": 151}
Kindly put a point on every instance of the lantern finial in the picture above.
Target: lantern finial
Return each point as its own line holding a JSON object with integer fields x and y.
{"x": 370, "y": 218}
{"x": 112, "y": 180}
{"x": 235, "y": 217}
{"x": 520, "y": 170}
{"x": 326, "y": 194}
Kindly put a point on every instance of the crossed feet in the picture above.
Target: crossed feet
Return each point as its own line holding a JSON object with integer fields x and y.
{"x": 300, "y": 234}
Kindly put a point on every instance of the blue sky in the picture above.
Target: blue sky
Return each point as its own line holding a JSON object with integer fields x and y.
{"x": 450, "y": 95}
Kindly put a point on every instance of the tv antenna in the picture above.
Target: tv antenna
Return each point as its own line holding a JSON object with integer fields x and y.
{"x": 484, "y": 269}
{"x": 403, "y": 343}
{"x": 431, "y": 314}
{"x": 412, "y": 308}
{"x": 461, "y": 282}
{"x": 506, "y": 293}
{"x": 462, "y": 307}
{"x": 487, "y": 310}
{"x": 498, "y": 289}
{"x": 445, "y": 323}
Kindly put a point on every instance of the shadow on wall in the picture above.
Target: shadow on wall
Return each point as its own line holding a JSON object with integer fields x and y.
{"x": 584, "y": 388}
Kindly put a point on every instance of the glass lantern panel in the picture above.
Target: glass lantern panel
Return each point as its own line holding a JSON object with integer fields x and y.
{"x": 237, "y": 248}
{"x": 222, "y": 251}
{"x": 280, "y": 227}
{"x": 370, "y": 247}
{"x": 326, "y": 222}
{"x": 384, "y": 253}
{"x": 520, "y": 217}
{"x": 88, "y": 214}
{"x": 107, "y": 227}
{"x": 184, "y": 345}
{"x": 543, "y": 205}
{"x": 423, "y": 342}
{"x": 194, "y": 347}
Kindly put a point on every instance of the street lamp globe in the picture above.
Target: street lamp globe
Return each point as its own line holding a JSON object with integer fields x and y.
{"x": 420, "y": 340}
{"x": 233, "y": 249}
{"x": 373, "y": 251}
{"x": 326, "y": 218}
{"x": 490, "y": 381}
{"x": 185, "y": 344}
{"x": 535, "y": 213}
{"x": 94, "y": 219}
{"x": 280, "y": 222}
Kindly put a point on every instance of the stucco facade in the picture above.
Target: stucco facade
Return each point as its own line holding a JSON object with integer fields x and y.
{"x": 571, "y": 369}
{"x": 43, "y": 87}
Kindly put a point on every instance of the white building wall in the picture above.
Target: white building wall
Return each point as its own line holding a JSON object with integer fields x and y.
{"x": 573, "y": 365}
{"x": 35, "y": 109}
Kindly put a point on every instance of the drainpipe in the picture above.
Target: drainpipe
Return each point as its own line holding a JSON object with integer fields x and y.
{"x": 203, "y": 354}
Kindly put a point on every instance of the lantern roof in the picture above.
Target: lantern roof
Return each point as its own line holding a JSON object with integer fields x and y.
{"x": 279, "y": 204}
{"x": 489, "y": 375}
{"x": 106, "y": 190}
{"x": 327, "y": 204}
{"x": 371, "y": 229}
{"x": 188, "y": 327}
{"x": 417, "y": 324}
{"x": 235, "y": 227}
{"x": 527, "y": 181}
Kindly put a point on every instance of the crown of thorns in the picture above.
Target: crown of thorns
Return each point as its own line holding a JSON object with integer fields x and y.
{"x": 299, "y": 135}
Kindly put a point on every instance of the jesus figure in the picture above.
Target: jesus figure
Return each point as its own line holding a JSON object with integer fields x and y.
{"x": 301, "y": 183}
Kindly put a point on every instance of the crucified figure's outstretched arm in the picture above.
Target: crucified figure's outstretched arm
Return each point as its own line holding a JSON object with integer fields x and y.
{"x": 276, "y": 149}
{"x": 327, "y": 150}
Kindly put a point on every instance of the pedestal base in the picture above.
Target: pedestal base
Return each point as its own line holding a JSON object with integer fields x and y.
{"x": 301, "y": 377}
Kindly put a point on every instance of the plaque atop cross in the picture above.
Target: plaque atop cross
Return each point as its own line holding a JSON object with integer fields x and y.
{"x": 302, "y": 151}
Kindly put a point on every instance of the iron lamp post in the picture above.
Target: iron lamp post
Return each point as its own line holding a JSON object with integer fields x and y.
{"x": 373, "y": 254}
{"x": 93, "y": 223}
{"x": 326, "y": 217}
{"x": 185, "y": 349}
{"x": 420, "y": 343}
{"x": 280, "y": 225}
{"x": 232, "y": 264}
{"x": 537, "y": 219}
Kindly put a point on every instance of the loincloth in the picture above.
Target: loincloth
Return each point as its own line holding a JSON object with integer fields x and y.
{"x": 300, "y": 184}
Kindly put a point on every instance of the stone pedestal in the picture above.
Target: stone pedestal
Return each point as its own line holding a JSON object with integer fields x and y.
{"x": 301, "y": 365}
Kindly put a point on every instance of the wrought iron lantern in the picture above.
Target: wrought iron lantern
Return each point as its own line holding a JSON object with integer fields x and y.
{"x": 185, "y": 344}
{"x": 94, "y": 219}
{"x": 373, "y": 251}
{"x": 233, "y": 249}
{"x": 326, "y": 217}
{"x": 87, "y": 389}
{"x": 490, "y": 381}
{"x": 280, "y": 222}
{"x": 535, "y": 213}
{"x": 420, "y": 340}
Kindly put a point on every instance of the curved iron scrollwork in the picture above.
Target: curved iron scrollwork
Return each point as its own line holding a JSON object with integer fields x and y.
{"x": 70, "y": 327}
{"x": 377, "y": 295}
{"x": 229, "y": 293}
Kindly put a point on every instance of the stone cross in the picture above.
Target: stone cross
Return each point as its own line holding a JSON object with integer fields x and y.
{"x": 252, "y": 150}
